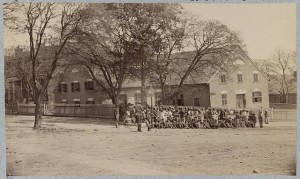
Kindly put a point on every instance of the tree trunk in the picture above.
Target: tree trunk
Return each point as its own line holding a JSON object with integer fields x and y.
{"x": 38, "y": 113}
{"x": 143, "y": 88}
{"x": 143, "y": 91}
{"x": 115, "y": 100}
{"x": 287, "y": 98}
{"x": 163, "y": 94}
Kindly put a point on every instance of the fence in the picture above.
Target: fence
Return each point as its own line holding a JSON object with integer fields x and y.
{"x": 283, "y": 106}
{"x": 84, "y": 110}
{"x": 107, "y": 111}
{"x": 284, "y": 115}
{"x": 26, "y": 109}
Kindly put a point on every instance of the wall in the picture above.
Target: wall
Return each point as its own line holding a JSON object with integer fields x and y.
{"x": 81, "y": 76}
{"x": 232, "y": 87}
{"x": 278, "y": 98}
{"x": 132, "y": 91}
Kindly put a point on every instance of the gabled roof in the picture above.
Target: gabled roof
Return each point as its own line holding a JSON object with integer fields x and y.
{"x": 244, "y": 56}
{"x": 202, "y": 75}
{"x": 254, "y": 64}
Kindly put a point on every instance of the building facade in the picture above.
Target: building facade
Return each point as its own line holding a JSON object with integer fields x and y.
{"x": 77, "y": 87}
{"x": 245, "y": 87}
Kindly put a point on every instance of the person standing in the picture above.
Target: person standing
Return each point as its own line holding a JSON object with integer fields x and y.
{"x": 260, "y": 118}
{"x": 266, "y": 117}
{"x": 139, "y": 115}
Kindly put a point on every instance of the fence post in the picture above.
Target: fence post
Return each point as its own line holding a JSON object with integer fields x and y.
{"x": 272, "y": 113}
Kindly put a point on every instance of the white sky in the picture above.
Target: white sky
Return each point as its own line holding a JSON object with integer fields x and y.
{"x": 264, "y": 27}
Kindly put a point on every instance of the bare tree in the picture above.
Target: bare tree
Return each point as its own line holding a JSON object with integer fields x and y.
{"x": 49, "y": 28}
{"x": 8, "y": 14}
{"x": 208, "y": 44}
{"x": 280, "y": 69}
{"x": 100, "y": 50}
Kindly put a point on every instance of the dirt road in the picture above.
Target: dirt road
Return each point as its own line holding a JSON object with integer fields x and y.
{"x": 90, "y": 147}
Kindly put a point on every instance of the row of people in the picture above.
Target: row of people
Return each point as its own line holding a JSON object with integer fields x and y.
{"x": 186, "y": 117}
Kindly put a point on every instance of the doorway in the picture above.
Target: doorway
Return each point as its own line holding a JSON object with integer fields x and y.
{"x": 240, "y": 101}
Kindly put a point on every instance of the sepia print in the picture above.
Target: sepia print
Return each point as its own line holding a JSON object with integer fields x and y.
{"x": 125, "y": 89}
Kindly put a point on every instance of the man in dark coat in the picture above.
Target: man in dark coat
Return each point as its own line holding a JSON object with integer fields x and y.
{"x": 139, "y": 115}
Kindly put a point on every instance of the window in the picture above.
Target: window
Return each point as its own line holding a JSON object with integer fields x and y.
{"x": 138, "y": 98}
{"x": 196, "y": 102}
{"x": 240, "y": 78}
{"x": 256, "y": 96}
{"x": 64, "y": 101}
{"x": 76, "y": 101}
{"x": 90, "y": 101}
{"x": 75, "y": 86}
{"x": 255, "y": 77}
{"x": 62, "y": 87}
{"x": 157, "y": 98}
{"x": 224, "y": 99}
{"x": 123, "y": 98}
{"x": 180, "y": 101}
{"x": 89, "y": 85}
{"x": 223, "y": 79}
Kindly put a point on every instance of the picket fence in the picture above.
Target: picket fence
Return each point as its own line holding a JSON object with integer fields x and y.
{"x": 84, "y": 110}
{"x": 107, "y": 111}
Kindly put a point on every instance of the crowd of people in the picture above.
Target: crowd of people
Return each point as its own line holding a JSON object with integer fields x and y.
{"x": 190, "y": 117}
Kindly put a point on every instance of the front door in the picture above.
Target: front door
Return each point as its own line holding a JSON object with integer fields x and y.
{"x": 240, "y": 101}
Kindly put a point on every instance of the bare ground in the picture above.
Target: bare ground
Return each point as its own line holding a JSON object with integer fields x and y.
{"x": 91, "y": 147}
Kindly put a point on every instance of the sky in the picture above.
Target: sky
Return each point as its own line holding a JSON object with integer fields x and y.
{"x": 264, "y": 28}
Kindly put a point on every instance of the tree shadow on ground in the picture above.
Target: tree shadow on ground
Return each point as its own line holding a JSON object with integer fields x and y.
{"x": 79, "y": 120}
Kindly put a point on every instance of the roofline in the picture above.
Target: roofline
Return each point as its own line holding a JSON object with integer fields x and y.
{"x": 253, "y": 63}
{"x": 249, "y": 60}
{"x": 213, "y": 77}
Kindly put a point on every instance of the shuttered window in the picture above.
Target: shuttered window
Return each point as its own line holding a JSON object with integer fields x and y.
{"x": 223, "y": 79}
{"x": 224, "y": 99}
{"x": 75, "y": 86}
{"x": 255, "y": 77}
{"x": 240, "y": 78}
{"x": 256, "y": 97}
{"x": 89, "y": 85}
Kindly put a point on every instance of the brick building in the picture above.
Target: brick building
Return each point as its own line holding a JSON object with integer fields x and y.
{"x": 244, "y": 87}
{"x": 77, "y": 87}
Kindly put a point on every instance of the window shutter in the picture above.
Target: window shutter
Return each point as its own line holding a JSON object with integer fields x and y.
{"x": 78, "y": 87}
{"x": 260, "y": 97}
{"x": 72, "y": 87}
{"x": 86, "y": 85}
{"x": 253, "y": 100}
{"x": 92, "y": 85}
{"x": 59, "y": 87}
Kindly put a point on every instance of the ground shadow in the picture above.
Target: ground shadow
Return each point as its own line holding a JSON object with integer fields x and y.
{"x": 79, "y": 120}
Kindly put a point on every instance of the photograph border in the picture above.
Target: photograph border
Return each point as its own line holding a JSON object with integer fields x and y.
{"x": 2, "y": 95}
